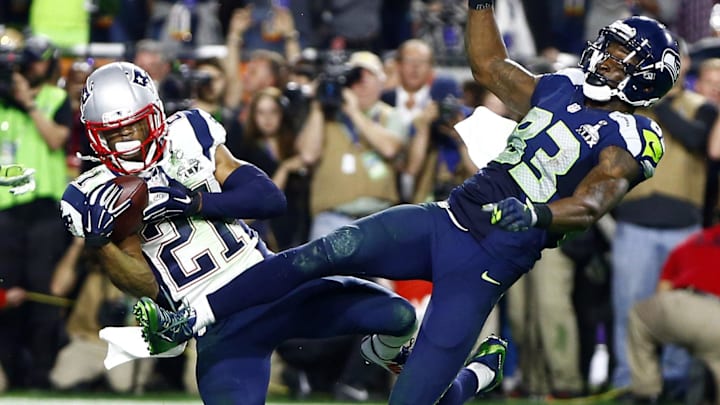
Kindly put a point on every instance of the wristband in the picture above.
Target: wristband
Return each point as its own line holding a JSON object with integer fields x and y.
{"x": 96, "y": 241}
{"x": 479, "y": 4}
{"x": 544, "y": 216}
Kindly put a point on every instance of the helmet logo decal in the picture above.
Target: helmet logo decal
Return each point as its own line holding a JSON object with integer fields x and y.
{"x": 671, "y": 62}
{"x": 87, "y": 89}
{"x": 140, "y": 78}
{"x": 654, "y": 149}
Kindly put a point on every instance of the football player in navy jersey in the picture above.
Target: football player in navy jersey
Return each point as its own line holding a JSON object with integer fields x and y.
{"x": 575, "y": 153}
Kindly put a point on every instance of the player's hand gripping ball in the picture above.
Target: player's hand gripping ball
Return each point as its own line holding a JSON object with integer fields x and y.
{"x": 114, "y": 210}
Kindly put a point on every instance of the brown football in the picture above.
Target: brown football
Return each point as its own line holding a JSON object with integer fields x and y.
{"x": 129, "y": 222}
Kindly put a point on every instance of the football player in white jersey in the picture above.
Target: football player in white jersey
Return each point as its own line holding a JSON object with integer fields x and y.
{"x": 193, "y": 239}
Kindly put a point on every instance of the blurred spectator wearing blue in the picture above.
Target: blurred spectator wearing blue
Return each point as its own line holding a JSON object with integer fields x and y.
{"x": 272, "y": 25}
{"x": 440, "y": 23}
{"x": 557, "y": 24}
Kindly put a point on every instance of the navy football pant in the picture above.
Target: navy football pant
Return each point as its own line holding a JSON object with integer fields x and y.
{"x": 234, "y": 354}
{"x": 402, "y": 243}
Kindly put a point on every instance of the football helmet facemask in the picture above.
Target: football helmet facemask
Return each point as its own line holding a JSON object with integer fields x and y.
{"x": 115, "y": 96}
{"x": 652, "y": 65}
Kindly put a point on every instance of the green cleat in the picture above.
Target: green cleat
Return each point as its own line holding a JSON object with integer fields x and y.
{"x": 163, "y": 329}
{"x": 492, "y": 354}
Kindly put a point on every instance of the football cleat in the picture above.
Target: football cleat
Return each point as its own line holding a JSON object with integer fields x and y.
{"x": 394, "y": 365}
{"x": 163, "y": 329}
{"x": 491, "y": 353}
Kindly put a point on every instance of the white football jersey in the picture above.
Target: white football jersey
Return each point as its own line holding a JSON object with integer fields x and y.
{"x": 191, "y": 257}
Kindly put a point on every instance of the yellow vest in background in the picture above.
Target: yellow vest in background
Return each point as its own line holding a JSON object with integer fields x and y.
{"x": 65, "y": 22}
{"x": 21, "y": 142}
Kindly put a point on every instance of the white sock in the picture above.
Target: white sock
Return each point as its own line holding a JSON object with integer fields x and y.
{"x": 203, "y": 314}
{"x": 483, "y": 373}
{"x": 387, "y": 347}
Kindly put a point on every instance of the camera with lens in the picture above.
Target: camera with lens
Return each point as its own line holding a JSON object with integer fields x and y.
{"x": 331, "y": 81}
{"x": 10, "y": 62}
{"x": 181, "y": 88}
{"x": 335, "y": 76}
{"x": 296, "y": 104}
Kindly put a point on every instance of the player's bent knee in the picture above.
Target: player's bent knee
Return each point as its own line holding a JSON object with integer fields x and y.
{"x": 406, "y": 317}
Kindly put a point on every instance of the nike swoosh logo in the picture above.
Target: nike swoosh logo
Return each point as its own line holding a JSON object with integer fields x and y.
{"x": 485, "y": 276}
{"x": 184, "y": 200}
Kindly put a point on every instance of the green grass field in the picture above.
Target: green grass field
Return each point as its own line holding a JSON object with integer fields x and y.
{"x": 48, "y": 398}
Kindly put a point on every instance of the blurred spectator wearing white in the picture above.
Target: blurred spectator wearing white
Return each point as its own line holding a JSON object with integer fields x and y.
{"x": 708, "y": 80}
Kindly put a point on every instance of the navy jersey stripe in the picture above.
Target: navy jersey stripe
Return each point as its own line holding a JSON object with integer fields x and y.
{"x": 202, "y": 131}
{"x": 74, "y": 197}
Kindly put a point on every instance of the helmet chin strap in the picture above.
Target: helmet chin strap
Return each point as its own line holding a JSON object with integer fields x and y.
{"x": 595, "y": 87}
{"x": 597, "y": 93}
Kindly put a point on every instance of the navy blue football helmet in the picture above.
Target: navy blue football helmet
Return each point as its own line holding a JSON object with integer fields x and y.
{"x": 652, "y": 65}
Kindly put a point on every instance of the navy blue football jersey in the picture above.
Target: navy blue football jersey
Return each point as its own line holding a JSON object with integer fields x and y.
{"x": 553, "y": 148}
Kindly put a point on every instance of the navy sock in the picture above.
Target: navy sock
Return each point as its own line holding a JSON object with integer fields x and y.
{"x": 462, "y": 389}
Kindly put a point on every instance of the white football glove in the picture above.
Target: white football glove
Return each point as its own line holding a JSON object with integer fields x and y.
{"x": 20, "y": 179}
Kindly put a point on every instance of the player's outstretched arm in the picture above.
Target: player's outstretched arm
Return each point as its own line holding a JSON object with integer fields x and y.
{"x": 489, "y": 60}
{"x": 247, "y": 191}
{"x": 601, "y": 189}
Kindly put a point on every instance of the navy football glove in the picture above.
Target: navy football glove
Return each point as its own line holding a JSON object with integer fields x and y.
{"x": 512, "y": 215}
{"x": 170, "y": 201}
{"x": 101, "y": 212}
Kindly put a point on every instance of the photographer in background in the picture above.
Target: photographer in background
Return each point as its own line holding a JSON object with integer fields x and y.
{"x": 36, "y": 117}
{"x": 352, "y": 142}
{"x": 437, "y": 158}
{"x": 211, "y": 83}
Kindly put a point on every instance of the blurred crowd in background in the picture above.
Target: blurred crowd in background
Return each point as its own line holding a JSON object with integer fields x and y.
{"x": 378, "y": 86}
